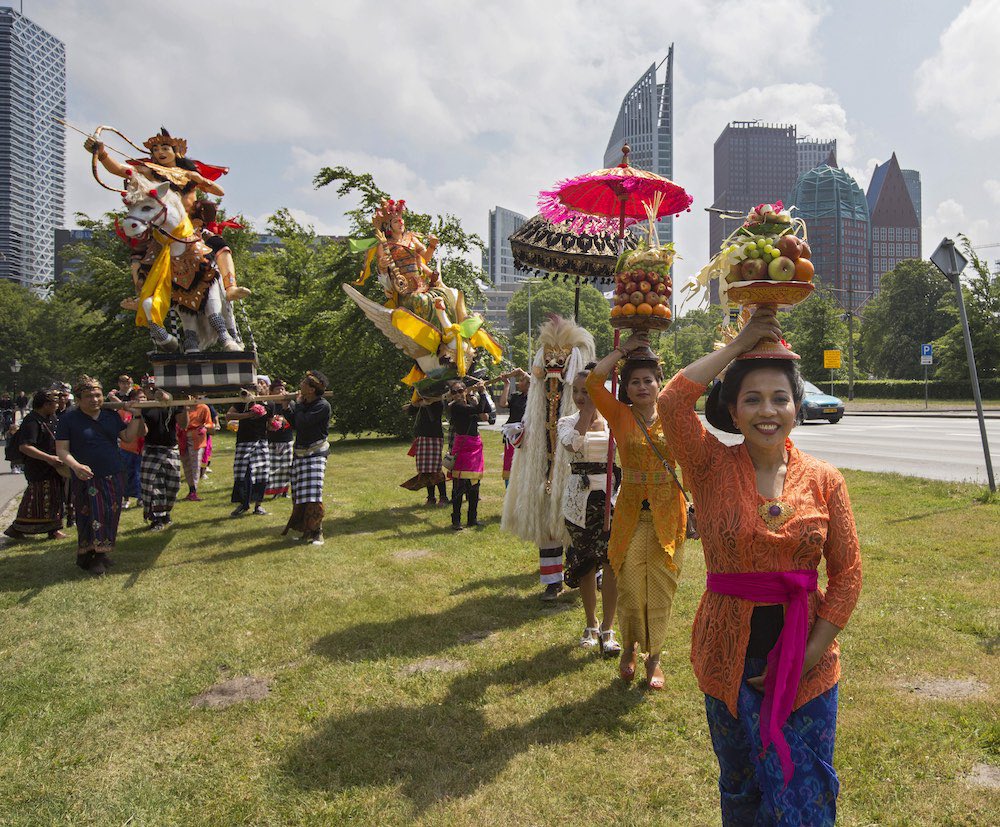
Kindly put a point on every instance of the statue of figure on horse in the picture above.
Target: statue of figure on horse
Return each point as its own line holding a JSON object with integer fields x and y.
{"x": 179, "y": 257}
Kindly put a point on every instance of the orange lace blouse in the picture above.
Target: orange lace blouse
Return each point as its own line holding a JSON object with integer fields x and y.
{"x": 735, "y": 539}
{"x": 642, "y": 479}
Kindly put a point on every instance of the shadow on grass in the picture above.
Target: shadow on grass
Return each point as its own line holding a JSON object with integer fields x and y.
{"x": 33, "y": 570}
{"x": 924, "y": 515}
{"x": 447, "y": 749}
{"x": 425, "y": 634}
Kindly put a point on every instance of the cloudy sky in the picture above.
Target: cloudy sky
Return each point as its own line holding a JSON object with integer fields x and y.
{"x": 460, "y": 106}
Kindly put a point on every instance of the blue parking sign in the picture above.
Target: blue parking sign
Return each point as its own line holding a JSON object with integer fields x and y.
{"x": 927, "y": 350}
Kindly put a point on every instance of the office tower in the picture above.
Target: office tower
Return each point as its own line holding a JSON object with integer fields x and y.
{"x": 835, "y": 210}
{"x": 912, "y": 178}
{"x": 32, "y": 149}
{"x": 894, "y": 217}
{"x": 505, "y": 279}
{"x": 813, "y": 153}
{"x": 646, "y": 123}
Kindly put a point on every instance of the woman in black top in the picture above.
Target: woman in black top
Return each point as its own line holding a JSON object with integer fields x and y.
{"x": 516, "y": 402}
{"x": 252, "y": 461}
{"x": 279, "y": 444}
{"x": 310, "y": 417}
{"x": 466, "y": 409}
{"x": 41, "y": 509}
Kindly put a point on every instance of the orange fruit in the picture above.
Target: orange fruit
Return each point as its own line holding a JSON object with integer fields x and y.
{"x": 628, "y": 309}
{"x": 804, "y": 270}
{"x": 644, "y": 309}
{"x": 661, "y": 310}
{"x": 616, "y": 310}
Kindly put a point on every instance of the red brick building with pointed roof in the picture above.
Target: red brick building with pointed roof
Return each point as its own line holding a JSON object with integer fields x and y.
{"x": 894, "y": 221}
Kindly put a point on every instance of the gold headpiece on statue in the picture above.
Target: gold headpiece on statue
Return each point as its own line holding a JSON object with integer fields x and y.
{"x": 179, "y": 145}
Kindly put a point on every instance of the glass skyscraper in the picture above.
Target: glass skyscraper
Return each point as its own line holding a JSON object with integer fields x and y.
{"x": 32, "y": 149}
{"x": 646, "y": 123}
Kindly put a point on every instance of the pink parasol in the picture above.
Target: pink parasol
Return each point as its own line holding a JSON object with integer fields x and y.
{"x": 609, "y": 199}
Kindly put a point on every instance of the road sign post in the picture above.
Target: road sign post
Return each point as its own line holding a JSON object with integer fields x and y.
{"x": 926, "y": 358}
{"x": 951, "y": 262}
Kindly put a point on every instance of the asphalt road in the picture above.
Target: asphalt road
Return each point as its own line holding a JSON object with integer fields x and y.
{"x": 931, "y": 447}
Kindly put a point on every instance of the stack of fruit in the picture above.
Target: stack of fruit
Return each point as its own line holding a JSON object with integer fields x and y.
{"x": 642, "y": 289}
{"x": 766, "y": 248}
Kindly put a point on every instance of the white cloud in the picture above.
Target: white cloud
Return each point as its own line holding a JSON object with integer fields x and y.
{"x": 992, "y": 187}
{"x": 948, "y": 220}
{"x": 960, "y": 78}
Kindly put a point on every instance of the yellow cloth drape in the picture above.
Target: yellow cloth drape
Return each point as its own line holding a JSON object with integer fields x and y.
{"x": 158, "y": 284}
{"x": 665, "y": 500}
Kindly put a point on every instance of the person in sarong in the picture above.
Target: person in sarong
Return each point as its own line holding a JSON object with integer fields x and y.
{"x": 280, "y": 437}
{"x": 466, "y": 409}
{"x": 426, "y": 448}
{"x": 210, "y": 428}
{"x": 646, "y": 548}
{"x": 514, "y": 397}
{"x": 252, "y": 460}
{"x": 584, "y": 436}
{"x": 160, "y": 472}
{"x": 87, "y": 443}
{"x": 764, "y": 641}
{"x": 309, "y": 415}
{"x": 41, "y": 508}
{"x": 131, "y": 452}
{"x": 192, "y": 446}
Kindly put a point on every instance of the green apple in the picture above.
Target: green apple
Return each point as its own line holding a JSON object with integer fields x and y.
{"x": 781, "y": 269}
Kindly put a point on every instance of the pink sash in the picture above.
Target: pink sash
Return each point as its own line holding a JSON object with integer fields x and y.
{"x": 784, "y": 661}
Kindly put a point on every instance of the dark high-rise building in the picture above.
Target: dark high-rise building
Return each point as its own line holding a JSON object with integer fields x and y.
{"x": 894, "y": 217}
{"x": 32, "y": 149}
{"x": 912, "y": 178}
{"x": 812, "y": 153}
{"x": 646, "y": 123}
{"x": 835, "y": 210}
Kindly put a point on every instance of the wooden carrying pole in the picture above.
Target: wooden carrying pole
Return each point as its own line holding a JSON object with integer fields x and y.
{"x": 190, "y": 403}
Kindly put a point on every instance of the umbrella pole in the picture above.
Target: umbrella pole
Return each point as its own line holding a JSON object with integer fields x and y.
{"x": 576, "y": 302}
{"x": 614, "y": 390}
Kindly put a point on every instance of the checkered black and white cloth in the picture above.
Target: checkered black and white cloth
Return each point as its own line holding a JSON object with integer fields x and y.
{"x": 255, "y": 458}
{"x": 213, "y": 371}
{"x": 281, "y": 468}
{"x": 159, "y": 479}
{"x": 427, "y": 452}
{"x": 307, "y": 478}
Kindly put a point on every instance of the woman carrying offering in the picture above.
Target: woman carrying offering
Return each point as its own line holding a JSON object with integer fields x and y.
{"x": 646, "y": 548}
{"x": 584, "y": 435}
{"x": 764, "y": 644}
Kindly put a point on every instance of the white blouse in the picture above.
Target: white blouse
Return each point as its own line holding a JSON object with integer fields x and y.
{"x": 589, "y": 447}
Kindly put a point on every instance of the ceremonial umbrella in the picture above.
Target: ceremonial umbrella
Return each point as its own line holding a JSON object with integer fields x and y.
{"x": 599, "y": 200}
{"x": 548, "y": 248}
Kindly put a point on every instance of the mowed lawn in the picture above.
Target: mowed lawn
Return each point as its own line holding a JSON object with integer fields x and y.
{"x": 416, "y": 678}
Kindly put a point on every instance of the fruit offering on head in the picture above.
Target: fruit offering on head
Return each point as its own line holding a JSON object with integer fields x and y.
{"x": 643, "y": 283}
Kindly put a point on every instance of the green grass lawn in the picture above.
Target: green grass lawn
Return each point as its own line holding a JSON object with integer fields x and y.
{"x": 416, "y": 678}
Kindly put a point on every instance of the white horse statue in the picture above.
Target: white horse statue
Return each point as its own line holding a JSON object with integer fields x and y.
{"x": 181, "y": 271}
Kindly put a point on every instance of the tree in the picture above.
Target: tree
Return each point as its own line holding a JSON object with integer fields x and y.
{"x": 557, "y": 297}
{"x": 813, "y": 326}
{"x": 914, "y": 306}
{"x": 982, "y": 307}
{"x": 689, "y": 338}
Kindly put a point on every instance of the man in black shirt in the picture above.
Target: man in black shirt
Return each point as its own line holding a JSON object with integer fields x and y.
{"x": 310, "y": 417}
{"x": 279, "y": 445}
{"x": 252, "y": 461}
{"x": 160, "y": 470}
{"x": 467, "y": 407}
{"x": 41, "y": 509}
{"x": 428, "y": 442}
{"x": 515, "y": 398}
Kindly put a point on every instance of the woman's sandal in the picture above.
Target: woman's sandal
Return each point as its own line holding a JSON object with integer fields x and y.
{"x": 657, "y": 679}
{"x": 609, "y": 646}
{"x": 627, "y": 670}
{"x": 590, "y": 639}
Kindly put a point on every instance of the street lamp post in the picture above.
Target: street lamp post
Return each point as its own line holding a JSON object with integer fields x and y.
{"x": 15, "y": 369}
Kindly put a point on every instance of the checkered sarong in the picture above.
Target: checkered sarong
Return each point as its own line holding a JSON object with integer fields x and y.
{"x": 427, "y": 452}
{"x": 307, "y": 478}
{"x": 251, "y": 469}
{"x": 159, "y": 479}
{"x": 281, "y": 468}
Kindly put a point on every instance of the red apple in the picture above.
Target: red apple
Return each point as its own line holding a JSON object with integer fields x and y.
{"x": 652, "y": 298}
{"x": 753, "y": 269}
{"x": 782, "y": 269}
{"x": 637, "y": 297}
{"x": 645, "y": 286}
{"x": 790, "y": 246}
{"x": 806, "y": 250}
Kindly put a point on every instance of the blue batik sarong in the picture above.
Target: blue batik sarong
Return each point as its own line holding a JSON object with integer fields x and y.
{"x": 752, "y": 790}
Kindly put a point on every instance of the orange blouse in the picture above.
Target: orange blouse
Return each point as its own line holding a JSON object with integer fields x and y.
{"x": 199, "y": 418}
{"x": 643, "y": 478}
{"x": 735, "y": 539}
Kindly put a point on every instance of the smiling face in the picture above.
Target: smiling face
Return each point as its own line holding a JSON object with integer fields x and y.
{"x": 642, "y": 387}
{"x": 91, "y": 399}
{"x": 765, "y": 408}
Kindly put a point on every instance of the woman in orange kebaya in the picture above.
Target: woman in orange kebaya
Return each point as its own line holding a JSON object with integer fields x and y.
{"x": 647, "y": 534}
{"x": 764, "y": 645}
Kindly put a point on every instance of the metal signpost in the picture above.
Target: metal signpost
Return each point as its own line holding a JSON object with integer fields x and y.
{"x": 926, "y": 358}
{"x": 951, "y": 262}
{"x": 831, "y": 360}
